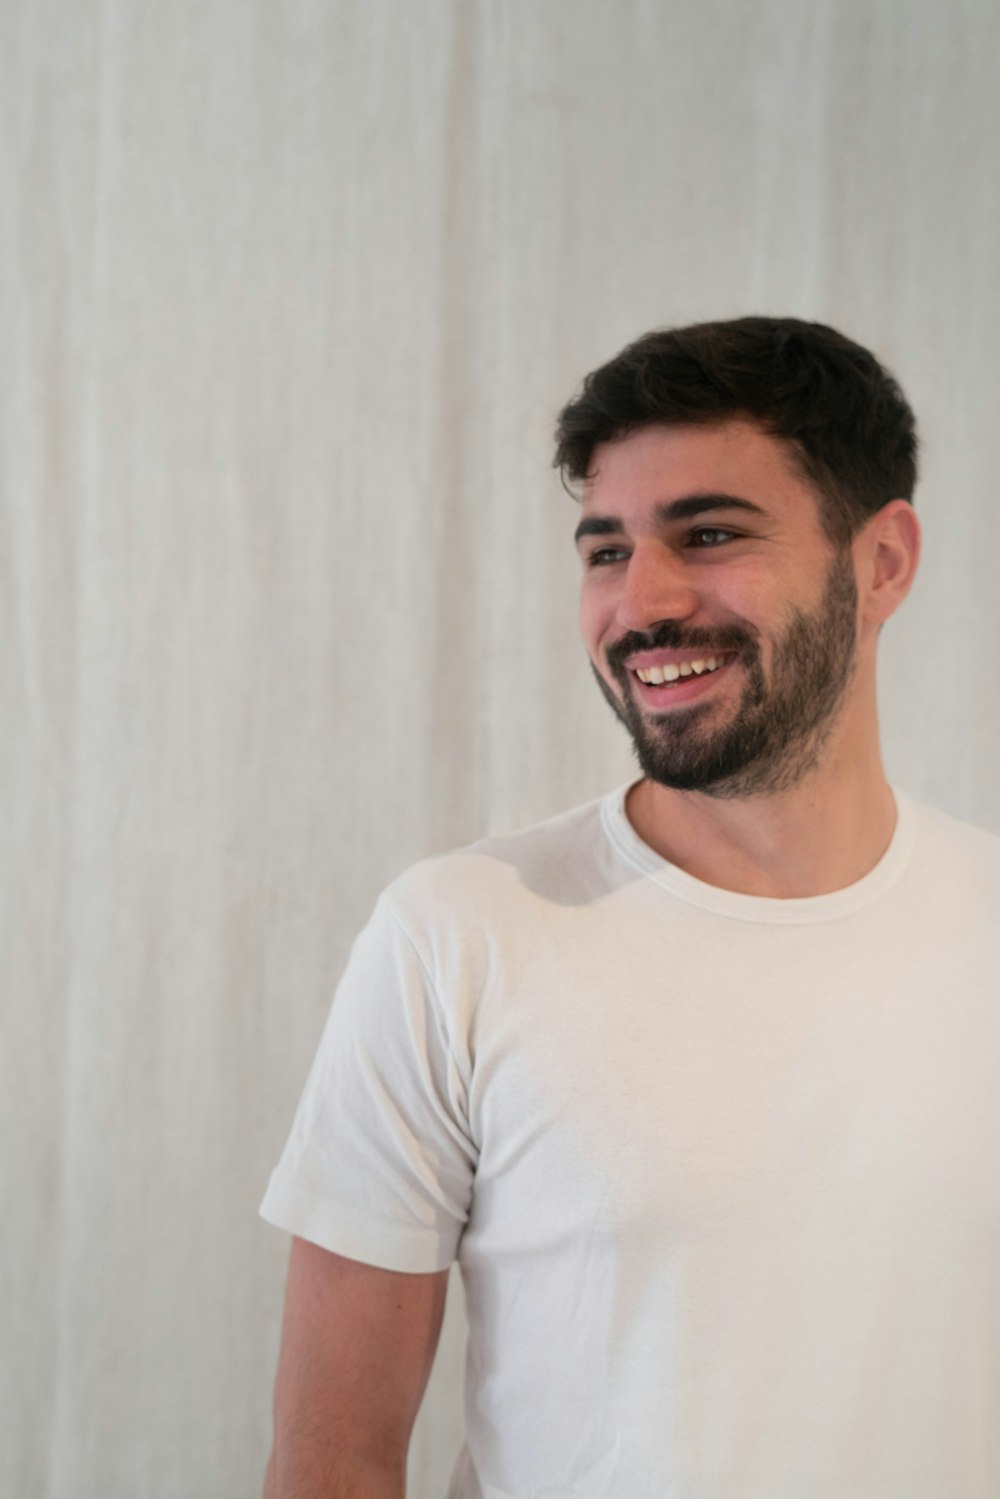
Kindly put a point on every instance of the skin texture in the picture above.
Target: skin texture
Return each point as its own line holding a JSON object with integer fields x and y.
{"x": 358, "y": 1344}
{"x": 772, "y": 781}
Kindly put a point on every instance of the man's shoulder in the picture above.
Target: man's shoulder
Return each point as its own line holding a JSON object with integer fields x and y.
{"x": 957, "y": 840}
{"x": 563, "y": 857}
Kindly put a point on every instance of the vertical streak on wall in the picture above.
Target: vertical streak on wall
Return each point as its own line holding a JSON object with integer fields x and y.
{"x": 86, "y": 770}
{"x": 456, "y": 667}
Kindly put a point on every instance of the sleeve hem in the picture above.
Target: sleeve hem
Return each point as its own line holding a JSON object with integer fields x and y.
{"x": 417, "y": 1253}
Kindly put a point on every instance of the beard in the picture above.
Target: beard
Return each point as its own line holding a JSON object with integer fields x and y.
{"x": 779, "y": 728}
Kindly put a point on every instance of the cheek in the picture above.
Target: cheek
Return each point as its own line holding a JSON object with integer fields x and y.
{"x": 594, "y": 618}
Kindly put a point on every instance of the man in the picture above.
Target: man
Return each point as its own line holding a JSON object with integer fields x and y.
{"x": 697, "y": 1082}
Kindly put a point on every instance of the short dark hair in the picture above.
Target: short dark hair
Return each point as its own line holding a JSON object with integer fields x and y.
{"x": 843, "y": 417}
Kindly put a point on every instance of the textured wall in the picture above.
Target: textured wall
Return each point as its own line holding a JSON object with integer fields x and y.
{"x": 290, "y": 295}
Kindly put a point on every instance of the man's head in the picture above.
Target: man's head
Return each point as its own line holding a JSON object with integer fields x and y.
{"x": 737, "y": 485}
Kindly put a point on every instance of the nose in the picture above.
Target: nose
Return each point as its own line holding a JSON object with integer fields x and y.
{"x": 656, "y": 586}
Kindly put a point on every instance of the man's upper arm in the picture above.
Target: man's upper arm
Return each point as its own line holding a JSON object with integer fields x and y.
{"x": 357, "y": 1348}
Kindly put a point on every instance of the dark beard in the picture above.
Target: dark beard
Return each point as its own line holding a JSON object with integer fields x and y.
{"x": 778, "y": 732}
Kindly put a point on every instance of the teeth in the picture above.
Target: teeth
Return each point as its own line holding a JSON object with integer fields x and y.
{"x": 671, "y": 672}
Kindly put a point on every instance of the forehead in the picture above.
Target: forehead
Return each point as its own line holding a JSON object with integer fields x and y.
{"x": 646, "y": 468}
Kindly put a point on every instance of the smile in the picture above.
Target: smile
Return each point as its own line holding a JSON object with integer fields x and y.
{"x": 672, "y": 671}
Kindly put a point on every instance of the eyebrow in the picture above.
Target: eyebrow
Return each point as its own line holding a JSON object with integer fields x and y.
{"x": 666, "y": 512}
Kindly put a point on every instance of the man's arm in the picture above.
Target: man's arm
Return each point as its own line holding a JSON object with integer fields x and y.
{"x": 356, "y": 1353}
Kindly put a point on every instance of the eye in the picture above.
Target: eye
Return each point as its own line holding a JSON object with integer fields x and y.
{"x": 710, "y": 536}
{"x": 602, "y": 556}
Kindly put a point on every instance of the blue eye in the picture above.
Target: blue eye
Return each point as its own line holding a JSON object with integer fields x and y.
{"x": 598, "y": 558}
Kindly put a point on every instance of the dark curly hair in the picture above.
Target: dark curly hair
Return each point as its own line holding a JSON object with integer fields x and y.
{"x": 843, "y": 417}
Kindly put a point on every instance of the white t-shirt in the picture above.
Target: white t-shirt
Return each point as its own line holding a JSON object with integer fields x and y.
{"x": 720, "y": 1171}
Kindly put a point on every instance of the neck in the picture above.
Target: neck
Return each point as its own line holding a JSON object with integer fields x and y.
{"x": 823, "y": 834}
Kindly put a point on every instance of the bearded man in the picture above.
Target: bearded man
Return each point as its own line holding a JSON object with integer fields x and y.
{"x": 696, "y": 1083}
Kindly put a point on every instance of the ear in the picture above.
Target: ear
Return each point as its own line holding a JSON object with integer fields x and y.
{"x": 886, "y": 554}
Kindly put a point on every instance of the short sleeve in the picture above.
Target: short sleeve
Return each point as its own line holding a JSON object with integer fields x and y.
{"x": 379, "y": 1164}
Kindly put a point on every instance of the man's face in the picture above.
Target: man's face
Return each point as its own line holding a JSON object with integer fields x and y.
{"x": 702, "y": 548}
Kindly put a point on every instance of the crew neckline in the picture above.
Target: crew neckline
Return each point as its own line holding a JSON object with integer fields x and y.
{"x": 791, "y": 911}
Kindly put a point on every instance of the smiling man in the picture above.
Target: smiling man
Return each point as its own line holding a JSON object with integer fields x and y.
{"x": 720, "y": 607}
{"x": 700, "y": 557}
{"x": 695, "y": 1083}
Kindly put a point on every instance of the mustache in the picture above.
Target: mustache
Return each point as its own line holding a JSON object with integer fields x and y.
{"x": 671, "y": 636}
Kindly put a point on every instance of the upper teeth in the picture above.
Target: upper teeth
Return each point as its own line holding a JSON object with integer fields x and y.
{"x": 673, "y": 670}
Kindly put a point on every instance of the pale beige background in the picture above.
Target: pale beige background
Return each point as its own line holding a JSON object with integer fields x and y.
{"x": 290, "y": 294}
